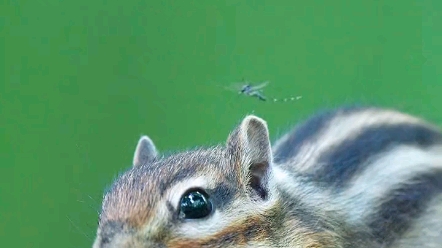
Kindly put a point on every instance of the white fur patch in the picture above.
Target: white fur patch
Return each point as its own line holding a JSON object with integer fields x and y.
{"x": 386, "y": 172}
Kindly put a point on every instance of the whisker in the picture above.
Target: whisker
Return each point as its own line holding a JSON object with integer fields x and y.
{"x": 78, "y": 228}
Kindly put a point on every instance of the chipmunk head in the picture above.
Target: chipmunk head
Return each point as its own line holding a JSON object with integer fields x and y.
{"x": 215, "y": 197}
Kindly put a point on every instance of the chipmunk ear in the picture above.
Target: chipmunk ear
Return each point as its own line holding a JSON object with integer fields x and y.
{"x": 250, "y": 149}
{"x": 145, "y": 151}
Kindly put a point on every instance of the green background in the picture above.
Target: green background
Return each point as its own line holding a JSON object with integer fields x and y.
{"x": 82, "y": 80}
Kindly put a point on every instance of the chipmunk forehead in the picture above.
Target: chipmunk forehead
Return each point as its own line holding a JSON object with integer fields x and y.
{"x": 135, "y": 196}
{"x": 169, "y": 170}
{"x": 197, "y": 161}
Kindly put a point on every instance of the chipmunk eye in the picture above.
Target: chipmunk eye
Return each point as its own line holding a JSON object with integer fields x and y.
{"x": 195, "y": 204}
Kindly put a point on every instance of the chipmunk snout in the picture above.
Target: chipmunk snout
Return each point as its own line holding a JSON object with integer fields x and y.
{"x": 116, "y": 234}
{"x": 110, "y": 229}
{"x": 112, "y": 234}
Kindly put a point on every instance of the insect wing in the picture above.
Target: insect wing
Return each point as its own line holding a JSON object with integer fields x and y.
{"x": 260, "y": 86}
{"x": 238, "y": 87}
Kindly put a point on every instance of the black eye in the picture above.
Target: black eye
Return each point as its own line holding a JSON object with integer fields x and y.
{"x": 195, "y": 205}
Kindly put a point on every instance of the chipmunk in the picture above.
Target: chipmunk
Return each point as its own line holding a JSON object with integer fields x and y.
{"x": 349, "y": 177}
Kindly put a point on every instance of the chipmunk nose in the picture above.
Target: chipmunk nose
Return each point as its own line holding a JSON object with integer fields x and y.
{"x": 115, "y": 234}
{"x": 107, "y": 233}
{"x": 111, "y": 228}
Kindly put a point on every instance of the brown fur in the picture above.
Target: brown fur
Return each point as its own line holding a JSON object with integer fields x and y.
{"x": 257, "y": 202}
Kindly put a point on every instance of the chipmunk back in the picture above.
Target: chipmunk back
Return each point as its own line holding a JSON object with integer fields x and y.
{"x": 351, "y": 177}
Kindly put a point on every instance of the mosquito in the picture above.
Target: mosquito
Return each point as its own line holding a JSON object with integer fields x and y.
{"x": 248, "y": 89}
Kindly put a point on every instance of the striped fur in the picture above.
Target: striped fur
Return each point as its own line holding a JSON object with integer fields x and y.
{"x": 351, "y": 177}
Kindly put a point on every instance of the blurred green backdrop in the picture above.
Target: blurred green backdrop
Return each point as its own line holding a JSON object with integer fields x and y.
{"x": 84, "y": 79}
